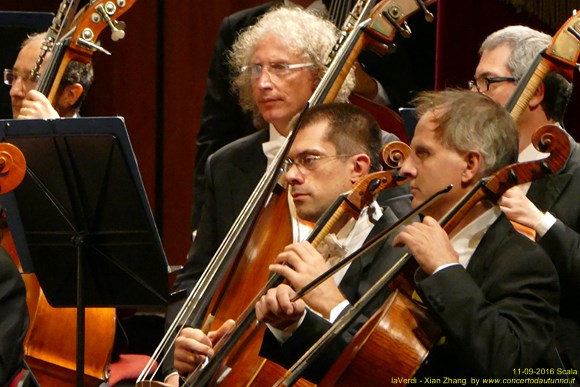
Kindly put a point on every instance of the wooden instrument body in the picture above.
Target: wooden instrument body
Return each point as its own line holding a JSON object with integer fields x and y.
{"x": 246, "y": 279}
{"x": 50, "y": 344}
{"x": 400, "y": 325}
{"x": 392, "y": 344}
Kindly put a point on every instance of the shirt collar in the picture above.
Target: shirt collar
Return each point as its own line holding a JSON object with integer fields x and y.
{"x": 271, "y": 147}
{"x": 467, "y": 239}
{"x": 530, "y": 153}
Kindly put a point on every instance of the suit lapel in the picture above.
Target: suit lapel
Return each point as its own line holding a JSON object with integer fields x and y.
{"x": 545, "y": 192}
{"x": 248, "y": 171}
{"x": 478, "y": 264}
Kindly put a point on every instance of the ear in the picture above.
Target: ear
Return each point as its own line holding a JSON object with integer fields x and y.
{"x": 537, "y": 97}
{"x": 473, "y": 163}
{"x": 360, "y": 166}
{"x": 69, "y": 95}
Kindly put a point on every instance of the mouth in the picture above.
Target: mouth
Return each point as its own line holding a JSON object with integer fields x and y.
{"x": 298, "y": 196}
{"x": 268, "y": 100}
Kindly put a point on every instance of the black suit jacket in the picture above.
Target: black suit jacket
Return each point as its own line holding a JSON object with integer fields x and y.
{"x": 402, "y": 74}
{"x": 560, "y": 195}
{"x": 222, "y": 118}
{"x": 497, "y": 315}
{"x": 13, "y": 319}
{"x": 232, "y": 174}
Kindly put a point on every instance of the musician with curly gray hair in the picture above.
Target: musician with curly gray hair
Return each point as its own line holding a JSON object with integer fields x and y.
{"x": 305, "y": 36}
{"x": 280, "y": 61}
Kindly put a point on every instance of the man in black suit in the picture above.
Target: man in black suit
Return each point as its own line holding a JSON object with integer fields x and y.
{"x": 493, "y": 291}
{"x": 549, "y": 206}
{"x": 397, "y": 78}
{"x": 336, "y": 146}
{"x": 273, "y": 95}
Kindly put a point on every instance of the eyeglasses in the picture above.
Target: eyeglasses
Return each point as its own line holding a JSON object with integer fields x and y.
{"x": 10, "y": 76}
{"x": 308, "y": 163}
{"x": 481, "y": 84}
{"x": 278, "y": 70}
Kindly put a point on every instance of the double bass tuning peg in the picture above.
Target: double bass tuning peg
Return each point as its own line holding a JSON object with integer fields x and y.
{"x": 118, "y": 31}
{"x": 117, "y": 27}
{"x": 428, "y": 15}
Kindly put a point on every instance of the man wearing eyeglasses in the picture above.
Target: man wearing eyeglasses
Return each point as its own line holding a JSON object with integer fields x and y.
{"x": 336, "y": 146}
{"x": 549, "y": 206}
{"x": 280, "y": 61}
{"x": 30, "y": 103}
{"x": 392, "y": 80}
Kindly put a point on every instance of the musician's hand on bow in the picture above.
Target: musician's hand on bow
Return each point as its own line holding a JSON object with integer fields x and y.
{"x": 192, "y": 346}
{"x": 36, "y": 105}
{"x": 303, "y": 264}
{"x": 428, "y": 243}
{"x": 518, "y": 208}
{"x": 276, "y": 309}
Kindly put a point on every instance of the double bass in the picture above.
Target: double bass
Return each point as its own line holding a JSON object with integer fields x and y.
{"x": 51, "y": 352}
{"x": 219, "y": 287}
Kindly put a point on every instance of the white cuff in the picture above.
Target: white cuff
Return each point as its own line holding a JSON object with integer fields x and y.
{"x": 381, "y": 97}
{"x": 445, "y": 267}
{"x": 337, "y": 310}
{"x": 170, "y": 375}
{"x": 545, "y": 223}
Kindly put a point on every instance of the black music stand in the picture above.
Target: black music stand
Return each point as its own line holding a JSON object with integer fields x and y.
{"x": 87, "y": 222}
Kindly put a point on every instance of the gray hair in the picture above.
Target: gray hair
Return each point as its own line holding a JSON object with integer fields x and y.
{"x": 304, "y": 34}
{"x": 470, "y": 121}
{"x": 525, "y": 44}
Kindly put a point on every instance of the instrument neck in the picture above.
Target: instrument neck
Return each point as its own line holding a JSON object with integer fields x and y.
{"x": 49, "y": 80}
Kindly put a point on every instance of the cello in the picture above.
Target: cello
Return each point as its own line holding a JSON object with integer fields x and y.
{"x": 394, "y": 342}
{"x": 53, "y": 356}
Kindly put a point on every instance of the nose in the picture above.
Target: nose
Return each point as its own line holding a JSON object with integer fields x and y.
{"x": 408, "y": 168}
{"x": 293, "y": 175}
{"x": 264, "y": 79}
{"x": 17, "y": 89}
